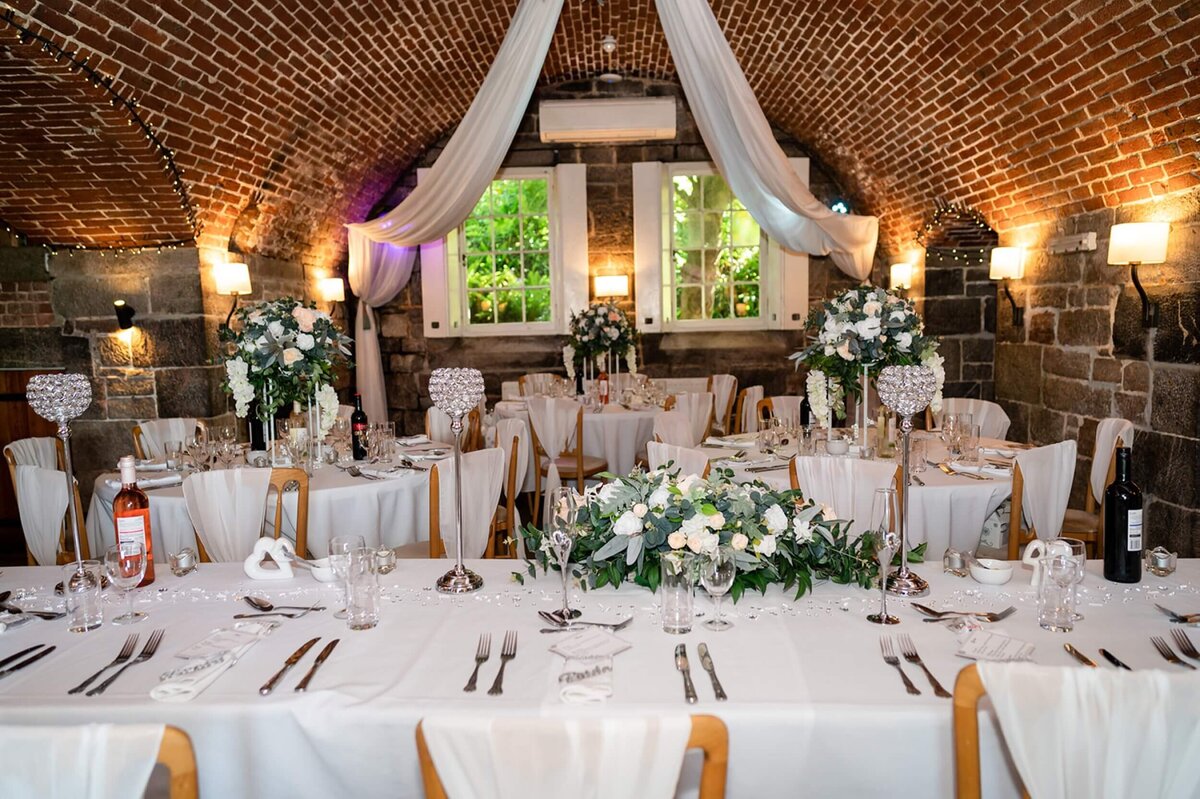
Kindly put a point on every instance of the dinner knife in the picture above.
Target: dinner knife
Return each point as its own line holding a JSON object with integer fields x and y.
{"x": 325, "y": 653}
{"x": 270, "y": 684}
{"x": 706, "y": 662}
{"x": 28, "y": 661}
{"x": 1111, "y": 658}
{"x": 1082, "y": 658}
{"x": 681, "y": 663}
{"x": 19, "y": 655}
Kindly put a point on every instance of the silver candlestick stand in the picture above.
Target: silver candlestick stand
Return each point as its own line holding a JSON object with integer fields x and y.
{"x": 59, "y": 398}
{"x": 907, "y": 390}
{"x": 455, "y": 392}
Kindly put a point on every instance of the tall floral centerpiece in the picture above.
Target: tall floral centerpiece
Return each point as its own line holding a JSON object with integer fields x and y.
{"x": 600, "y": 333}
{"x": 283, "y": 353}
{"x": 853, "y": 337}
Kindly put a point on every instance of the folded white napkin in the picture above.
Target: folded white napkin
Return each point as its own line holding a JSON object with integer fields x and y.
{"x": 427, "y": 456}
{"x": 208, "y": 659}
{"x": 383, "y": 472}
{"x": 412, "y": 441}
{"x": 586, "y": 681}
{"x": 150, "y": 482}
{"x": 152, "y": 465}
{"x": 993, "y": 471}
{"x": 724, "y": 441}
{"x": 1003, "y": 452}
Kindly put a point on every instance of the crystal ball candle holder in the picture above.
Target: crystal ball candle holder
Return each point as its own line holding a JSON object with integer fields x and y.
{"x": 456, "y": 392}
{"x": 59, "y": 398}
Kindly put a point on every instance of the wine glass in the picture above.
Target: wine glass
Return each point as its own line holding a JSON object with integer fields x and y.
{"x": 126, "y": 566}
{"x": 1079, "y": 555}
{"x": 716, "y": 576}
{"x": 564, "y": 511}
{"x": 197, "y": 452}
{"x": 340, "y": 548}
{"x": 885, "y": 516}
{"x": 226, "y": 433}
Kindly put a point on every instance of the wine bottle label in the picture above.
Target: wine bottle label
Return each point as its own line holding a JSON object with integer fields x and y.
{"x": 1134, "y": 537}
{"x": 132, "y": 527}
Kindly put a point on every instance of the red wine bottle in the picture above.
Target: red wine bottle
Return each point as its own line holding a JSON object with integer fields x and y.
{"x": 358, "y": 430}
{"x": 1123, "y": 525}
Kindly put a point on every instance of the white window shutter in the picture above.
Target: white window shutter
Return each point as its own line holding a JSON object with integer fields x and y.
{"x": 436, "y": 298}
{"x": 572, "y": 238}
{"x": 792, "y": 307}
{"x": 648, "y": 189}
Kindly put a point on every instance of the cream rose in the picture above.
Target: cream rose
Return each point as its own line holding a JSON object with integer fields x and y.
{"x": 739, "y": 541}
{"x": 305, "y": 318}
{"x": 627, "y": 524}
{"x": 292, "y": 355}
{"x": 677, "y": 540}
{"x": 640, "y": 510}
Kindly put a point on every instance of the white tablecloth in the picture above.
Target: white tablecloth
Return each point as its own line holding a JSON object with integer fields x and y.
{"x": 511, "y": 389}
{"x": 393, "y": 512}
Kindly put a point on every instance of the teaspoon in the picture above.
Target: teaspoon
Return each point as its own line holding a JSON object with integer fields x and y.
{"x": 261, "y": 604}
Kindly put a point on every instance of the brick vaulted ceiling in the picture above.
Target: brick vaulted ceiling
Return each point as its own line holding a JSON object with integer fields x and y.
{"x": 1027, "y": 110}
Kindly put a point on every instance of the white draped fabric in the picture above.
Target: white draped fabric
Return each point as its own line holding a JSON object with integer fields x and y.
{"x": 1107, "y": 433}
{"x": 1098, "y": 733}
{"x": 674, "y": 427}
{"x": 699, "y": 408}
{"x": 484, "y": 472}
{"x": 227, "y": 508}
{"x": 489, "y": 757}
{"x": 87, "y": 761}
{"x": 512, "y": 435}
{"x": 785, "y": 406}
{"x": 685, "y": 459}
{"x": 377, "y": 272}
{"x": 845, "y": 484}
{"x": 1048, "y": 473}
{"x": 157, "y": 432}
{"x": 738, "y": 136}
{"x": 723, "y": 387}
{"x": 750, "y": 409}
{"x": 992, "y": 420}
{"x": 42, "y": 504}
{"x": 40, "y": 451}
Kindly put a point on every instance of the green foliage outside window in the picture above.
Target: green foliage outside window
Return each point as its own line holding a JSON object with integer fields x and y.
{"x": 506, "y": 253}
{"x": 714, "y": 252}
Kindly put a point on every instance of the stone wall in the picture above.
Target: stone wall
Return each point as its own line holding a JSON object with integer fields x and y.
{"x": 1083, "y": 355}
{"x": 754, "y": 357}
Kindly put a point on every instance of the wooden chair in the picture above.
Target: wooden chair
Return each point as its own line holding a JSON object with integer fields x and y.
{"x": 437, "y": 547}
{"x": 572, "y": 464}
{"x": 739, "y": 410}
{"x": 177, "y": 755}
{"x": 548, "y": 376}
{"x": 1086, "y": 531}
{"x": 504, "y": 521}
{"x": 281, "y": 480}
{"x": 139, "y": 449}
{"x": 472, "y": 432}
{"x": 709, "y": 734}
{"x": 765, "y": 411}
{"x": 723, "y": 415}
{"x": 968, "y": 690}
{"x": 64, "y": 538}
{"x": 1087, "y": 525}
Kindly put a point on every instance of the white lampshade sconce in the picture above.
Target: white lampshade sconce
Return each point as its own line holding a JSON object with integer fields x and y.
{"x": 1008, "y": 263}
{"x": 611, "y": 285}
{"x": 331, "y": 290}
{"x": 1134, "y": 244}
{"x": 233, "y": 280}
{"x": 902, "y": 275}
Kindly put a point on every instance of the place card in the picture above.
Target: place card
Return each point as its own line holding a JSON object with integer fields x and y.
{"x": 589, "y": 645}
{"x": 994, "y": 647}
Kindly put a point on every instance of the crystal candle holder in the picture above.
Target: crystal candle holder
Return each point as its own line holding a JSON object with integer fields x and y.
{"x": 60, "y": 398}
{"x": 456, "y": 392}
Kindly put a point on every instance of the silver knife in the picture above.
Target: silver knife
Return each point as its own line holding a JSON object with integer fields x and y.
{"x": 1082, "y": 658}
{"x": 707, "y": 663}
{"x": 681, "y": 663}
{"x": 19, "y": 655}
{"x": 1111, "y": 658}
{"x": 27, "y": 661}
{"x": 325, "y": 653}
{"x": 270, "y": 684}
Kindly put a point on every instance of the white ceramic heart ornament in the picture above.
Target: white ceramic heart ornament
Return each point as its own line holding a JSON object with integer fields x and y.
{"x": 279, "y": 550}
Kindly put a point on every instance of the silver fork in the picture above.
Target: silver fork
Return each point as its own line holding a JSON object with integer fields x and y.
{"x": 482, "y": 653}
{"x": 300, "y": 615}
{"x": 147, "y": 652}
{"x": 122, "y": 656}
{"x": 507, "y": 653}
{"x": 1185, "y": 644}
{"x": 909, "y": 650}
{"x": 1168, "y": 654}
{"x": 889, "y": 657}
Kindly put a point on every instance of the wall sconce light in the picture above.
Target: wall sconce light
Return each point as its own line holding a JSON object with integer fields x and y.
{"x": 233, "y": 279}
{"x": 331, "y": 290}
{"x": 611, "y": 285}
{"x": 902, "y": 274}
{"x": 1008, "y": 263}
{"x": 124, "y": 314}
{"x": 1136, "y": 243}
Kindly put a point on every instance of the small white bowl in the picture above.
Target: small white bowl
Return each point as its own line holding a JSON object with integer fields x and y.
{"x": 837, "y": 446}
{"x": 998, "y": 572}
{"x": 322, "y": 572}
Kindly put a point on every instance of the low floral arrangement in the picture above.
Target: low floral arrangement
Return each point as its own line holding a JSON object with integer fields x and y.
{"x": 284, "y": 351}
{"x": 631, "y": 523}
{"x": 864, "y": 328}
{"x": 600, "y": 328}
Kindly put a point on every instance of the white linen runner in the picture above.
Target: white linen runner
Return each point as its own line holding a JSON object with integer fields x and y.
{"x": 42, "y": 503}
{"x": 1096, "y": 733}
{"x": 90, "y": 761}
{"x": 1048, "y": 473}
{"x": 156, "y": 432}
{"x": 479, "y": 757}
{"x": 845, "y": 484}
{"x": 1107, "y": 433}
{"x": 484, "y": 472}
{"x": 227, "y": 508}
{"x": 39, "y": 451}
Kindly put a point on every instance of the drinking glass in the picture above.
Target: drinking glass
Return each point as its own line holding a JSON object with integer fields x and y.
{"x": 126, "y": 566}
{"x": 197, "y": 452}
{"x": 563, "y": 530}
{"x": 916, "y": 454}
{"x": 340, "y": 548}
{"x": 1079, "y": 555}
{"x": 1056, "y": 594}
{"x": 362, "y": 589}
{"x": 885, "y": 518}
{"x": 81, "y": 587}
{"x": 678, "y": 600}
{"x": 227, "y": 452}
{"x": 968, "y": 443}
{"x": 716, "y": 575}
{"x": 950, "y": 432}
{"x": 171, "y": 450}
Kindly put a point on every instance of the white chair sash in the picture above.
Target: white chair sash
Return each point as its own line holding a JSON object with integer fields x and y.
{"x": 992, "y": 420}
{"x": 1097, "y": 733}
{"x": 345, "y": 411}
{"x": 553, "y": 421}
{"x": 1048, "y": 473}
{"x": 40, "y": 451}
{"x": 508, "y": 430}
{"x": 686, "y": 460}
{"x": 845, "y": 484}
{"x": 602, "y": 758}
{"x": 156, "y": 432}
{"x": 722, "y": 389}
{"x": 86, "y": 761}
{"x": 699, "y": 407}
{"x": 227, "y": 508}
{"x": 674, "y": 427}
{"x": 785, "y": 406}
{"x": 437, "y": 426}
{"x": 1107, "y": 433}
{"x": 750, "y": 409}
{"x": 42, "y": 499}
{"x": 483, "y": 473}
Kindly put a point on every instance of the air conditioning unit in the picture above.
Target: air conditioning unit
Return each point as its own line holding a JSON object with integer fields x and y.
{"x": 610, "y": 120}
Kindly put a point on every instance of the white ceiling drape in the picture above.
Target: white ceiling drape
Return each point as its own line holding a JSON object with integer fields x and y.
{"x": 739, "y": 138}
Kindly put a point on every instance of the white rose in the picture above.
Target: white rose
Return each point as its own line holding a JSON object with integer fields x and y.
{"x": 766, "y": 547}
{"x": 292, "y": 355}
{"x": 868, "y": 328}
{"x": 255, "y": 318}
{"x": 709, "y": 543}
{"x": 775, "y": 519}
{"x": 872, "y": 308}
{"x": 903, "y": 341}
{"x": 693, "y": 525}
{"x": 659, "y": 498}
{"x": 695, "y": 542}
{"x": 640, "y": 510}
{"x": 843, "y": 350}
{"x": 828, "y": 513}
{"x": 677, "y": 540}
{"x": 627, "y": 524}
{"x": 739, "y": 541}
{"x": 802, "y": 530}
{"x": 686, "y": 483}
{"x": 275, "y": 329}
{"x": 715, "y": 521}
{"x": 608, "y": 492}
{"x": 898, "y": 316}
{"x": 305, "y": 341}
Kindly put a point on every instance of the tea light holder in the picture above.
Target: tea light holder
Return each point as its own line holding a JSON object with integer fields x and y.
{"x": 183, "y": 562}
{"x": 1160, "y": 562}
{"x": 385, "y": 560}
{"x": 456, "y": 392}
{"x": 60, "y": 398}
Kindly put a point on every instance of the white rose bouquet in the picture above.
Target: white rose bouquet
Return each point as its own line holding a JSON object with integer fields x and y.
{"x": 601, "y": 328}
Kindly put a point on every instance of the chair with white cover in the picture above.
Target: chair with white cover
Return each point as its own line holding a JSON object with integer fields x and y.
{"x": 537, "y": 383}
{"x": 512, "y": 436}
{"x": 992, "y": 420}
{"x": 345, "y": 412}
{"x": 783, "y": 406}
{"x": 482, "y": 756}
{"x": 227, "y": 508}
{"x": 699, "y": 408}
{"x": 94, "y": 760}
{"x": 150, "y": 436}
{"x": 724, "y": 391}
{"x": 684, "y": 459}
{"x": 746, "y": 412}
{"x": 1041, "y": 488}
{"x": 557, "y": 433}
{"x": 35, "y": 466}
{"x": 437, "y": 428}
{"x": 484, "y": 471}
{"x": 845, "y": 484}
{"x": 673, "y": 427}
{"x": 1082, "y": 733}
{"x": 1087, "y": 524}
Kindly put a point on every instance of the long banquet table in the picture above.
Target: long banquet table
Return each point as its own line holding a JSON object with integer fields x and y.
{"x": 813, "y": 710}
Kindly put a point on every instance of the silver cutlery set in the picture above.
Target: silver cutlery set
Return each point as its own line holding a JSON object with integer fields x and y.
{"x": 908, "y": 651}
{"x": 122, "y": 662}
{"x": 1179, "y": 637}
{"x": 508, "y": 651}
{"x": 295, "y": 658}
{"x": 689, "y": 689}
{"x": 949, "y": 615}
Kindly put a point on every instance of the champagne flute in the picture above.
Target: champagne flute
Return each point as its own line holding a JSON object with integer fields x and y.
{"x": 717, "y": 578}
{"x": 126, "y": 566}
{"x": 885, "y": 515}
{"x": 340, "y": 548}
{"x": 563, "y": 530}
